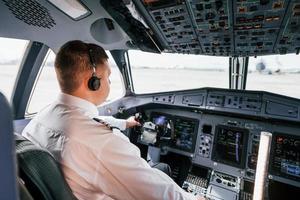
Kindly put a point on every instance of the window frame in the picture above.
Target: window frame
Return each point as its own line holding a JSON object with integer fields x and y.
{"x": 30, "y": 65}
{"x": 28, "y": 114}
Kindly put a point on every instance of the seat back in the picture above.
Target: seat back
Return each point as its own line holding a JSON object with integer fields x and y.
{"x": 40, "y": 172}
{"x": 8, "y": 185}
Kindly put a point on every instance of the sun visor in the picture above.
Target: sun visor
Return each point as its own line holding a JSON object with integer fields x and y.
{"x": 125, "y": 14}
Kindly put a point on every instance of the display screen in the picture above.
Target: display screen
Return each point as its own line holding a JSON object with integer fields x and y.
{"x": 230, "y": 146}
{"x": 285, "y": 156}
{"x": 160, "y": 120}
{"x": 184, "y": 134}
{"x": 181, "y": 131}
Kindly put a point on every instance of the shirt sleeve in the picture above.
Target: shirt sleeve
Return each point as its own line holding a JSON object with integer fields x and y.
{"x": 130, "y": 177}
{"x": 119, "y": 123}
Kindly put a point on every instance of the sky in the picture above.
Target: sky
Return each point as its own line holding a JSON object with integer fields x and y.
{"x": 15, "y": 48}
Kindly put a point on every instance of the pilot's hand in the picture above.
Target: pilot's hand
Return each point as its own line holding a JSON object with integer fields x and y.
{"x": 131, "y": 122}
{"x": 201, "y": 198}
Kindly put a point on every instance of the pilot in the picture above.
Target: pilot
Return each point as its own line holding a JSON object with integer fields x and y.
{"x": 98, "y": 162}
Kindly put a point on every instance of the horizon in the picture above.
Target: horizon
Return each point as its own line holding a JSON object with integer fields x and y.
{"x": 16, "y": 48}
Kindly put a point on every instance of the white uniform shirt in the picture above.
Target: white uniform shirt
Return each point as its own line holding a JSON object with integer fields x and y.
{"x": 97, "y": 163}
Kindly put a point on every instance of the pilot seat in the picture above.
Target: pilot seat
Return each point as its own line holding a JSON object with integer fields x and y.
{"x": 40, "y": 172}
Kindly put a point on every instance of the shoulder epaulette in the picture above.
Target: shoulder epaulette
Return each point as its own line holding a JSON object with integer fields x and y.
{"x": 105, "y": 123}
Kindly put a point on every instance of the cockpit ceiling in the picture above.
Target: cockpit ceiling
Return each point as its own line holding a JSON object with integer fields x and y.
{"x": 226, "y": 27}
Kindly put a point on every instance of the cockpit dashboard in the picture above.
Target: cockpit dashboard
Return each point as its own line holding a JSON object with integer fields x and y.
{"x": 210, "y": 138}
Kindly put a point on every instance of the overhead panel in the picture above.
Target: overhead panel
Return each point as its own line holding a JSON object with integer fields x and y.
{"x": 257, "y": 24}
{"x": 175, "y": 24}
{"x": 213, "y": 25}
{"x": 228, "y": 27}
{"x": 289, "y": 36}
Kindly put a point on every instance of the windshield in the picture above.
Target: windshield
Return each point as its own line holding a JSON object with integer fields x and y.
{"x": 278, "y": 74}
{"x": 168, "y": 72}
{"x": 152, "y": 72}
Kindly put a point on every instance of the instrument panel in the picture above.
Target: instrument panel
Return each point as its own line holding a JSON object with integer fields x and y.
{"x": 218, "y": 135}
{"x": 226, "y": 149}
{"x": 285, "y": 156}
{"x": 228, "y": 144}
{"x": 181, "y": 131}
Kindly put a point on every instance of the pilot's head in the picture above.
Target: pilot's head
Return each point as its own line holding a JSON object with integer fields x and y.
{"x": 82, "y": 70}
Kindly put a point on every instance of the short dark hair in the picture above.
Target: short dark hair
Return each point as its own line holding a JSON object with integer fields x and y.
{"x": 72, "y": 59}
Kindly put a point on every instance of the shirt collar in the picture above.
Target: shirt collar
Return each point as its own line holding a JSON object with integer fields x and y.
{"x": 80, "y": 103}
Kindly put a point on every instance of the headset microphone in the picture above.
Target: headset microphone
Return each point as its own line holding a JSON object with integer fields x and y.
{"x": 94, "y": 81}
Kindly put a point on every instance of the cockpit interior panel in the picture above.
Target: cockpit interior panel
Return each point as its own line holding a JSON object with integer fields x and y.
{"x": 224, "y": 27}
{"x": 221, "y": 146}
{"x": 219, "y": 27}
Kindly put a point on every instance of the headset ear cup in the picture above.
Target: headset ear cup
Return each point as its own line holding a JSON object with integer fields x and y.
{"x": 94, "y": 83}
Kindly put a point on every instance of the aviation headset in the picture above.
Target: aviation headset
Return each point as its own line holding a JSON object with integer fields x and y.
{"x": 94, "y": 81}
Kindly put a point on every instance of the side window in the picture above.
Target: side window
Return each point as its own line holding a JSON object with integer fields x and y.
{"x": 11, "y": 54}
{"x": 46, "y": 87}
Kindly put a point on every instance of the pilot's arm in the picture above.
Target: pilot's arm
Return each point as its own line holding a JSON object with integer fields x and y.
{"x": 128, "y": 176}
{"x": 121, "y": 124}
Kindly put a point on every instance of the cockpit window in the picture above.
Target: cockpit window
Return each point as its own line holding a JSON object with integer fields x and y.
{"x": 278, "y": 74}
{"x": 11, "y": 54}
{"x": 46, "y": 87}
{"x": 168, "y": 72}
